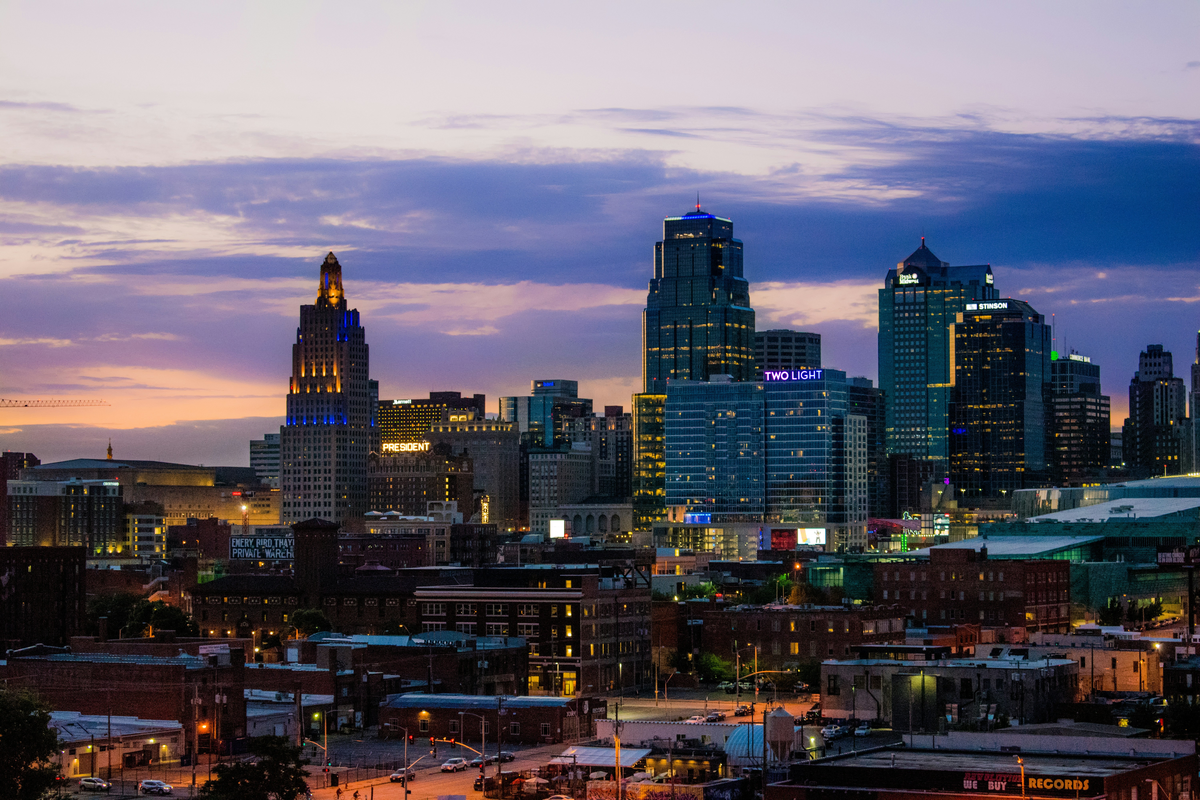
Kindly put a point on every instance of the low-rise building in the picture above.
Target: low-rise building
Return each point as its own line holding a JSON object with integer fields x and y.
{"x": 506, "y": 719}
{"x": 926, "y": 695}
{"x": 103, "y": 745}
{"x": 783, "y": 637}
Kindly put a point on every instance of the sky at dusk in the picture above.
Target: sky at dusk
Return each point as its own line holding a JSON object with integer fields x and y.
{"x": 493, "y": 179}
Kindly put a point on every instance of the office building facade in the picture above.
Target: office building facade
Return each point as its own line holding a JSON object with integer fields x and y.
{"x": 494, "y": 448}
{"x": 1079, "y": 446}
{"x": 264, "y": 459}
{"x": 698, "y": 321}
{"x": 69, "y": 513}
{"x": 11, "y": 464}
{"x": 330, "y": 428}
{"x": 1001, "y": 376}
{"x": 1157, "y": 435}
{"x": 785, "y": 454}
{"x": 784, "y": 349}
{"x": 544, "y": 416}
{"x": 406, "y": 421}
{"x": 649, "y": 460}
{"x": 1195, "y": 399}
{"x": 557, "y": 477}
{"x": 918, "y": 303}
{"x": 407, "y": 483}
{"x": 610, "y": 438}
{"x": 864, "y": 399}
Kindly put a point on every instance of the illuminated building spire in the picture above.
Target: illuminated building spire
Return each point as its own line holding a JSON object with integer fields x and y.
{"x": 110, "y": 449}
{"x": 330, "y": 291}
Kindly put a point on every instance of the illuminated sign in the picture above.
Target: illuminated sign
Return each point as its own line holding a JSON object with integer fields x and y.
{"x": 793, "y": 375}
{"x": 908, "y": 278}
{"x": 406, "y": 447}
{"x": 998, "y": 306}
{"x": 810, "y": 536}
{"x": 558, "y": 529}
{"x": 261, "y": 548}
{"x": 697, "y": 519}
{"x": 989, "y": 279}
{"x": 402, "y": 402}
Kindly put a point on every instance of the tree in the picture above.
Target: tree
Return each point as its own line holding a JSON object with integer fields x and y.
{"x": 276, "y": 774}
{"x": 1111, "y": 615}
{"x": 148, "y": 616}
{"x": 116, "y": 607}
{"x": 26, "y": 745}
{"x": 710, "y": 667}
{"x": 308, "y": 621}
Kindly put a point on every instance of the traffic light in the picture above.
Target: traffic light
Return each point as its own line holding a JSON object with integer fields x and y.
{"x": 431, "y": 741}
{"x": 453, "y": 743}
{"x": 410, "y": 738}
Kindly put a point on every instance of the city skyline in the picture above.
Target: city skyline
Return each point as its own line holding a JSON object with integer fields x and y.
{"x": 158, "y": 236}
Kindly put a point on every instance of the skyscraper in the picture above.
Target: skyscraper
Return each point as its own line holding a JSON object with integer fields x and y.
{"x": 1195, "y": 399}
{"x": 330, "y": 427}
{"x": 784, "y": 349}
{"x": 1001, "y": 363}
{"x": 1079, "y": 444}
{"x": 264, "y": 459}
{"x": 919, "y": 301}
{"x": 1157, "y": 435}
{"x": 406, "y": 421}
{"x": 698, "y": 321}
{"x": 544, "y": 416}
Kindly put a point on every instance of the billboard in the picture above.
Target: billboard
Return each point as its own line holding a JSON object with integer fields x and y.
{"x": 265, "y": 544}
{"x": 558, "y": 529}
{"x": 811, "y": 536}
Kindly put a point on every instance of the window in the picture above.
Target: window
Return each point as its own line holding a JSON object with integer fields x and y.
{"x": 545, "y": 729}
{"x": 454, "y": 726}
{"x": 514, "y": 729}
{"x": 433, "y": 609}
{"x": 833, "y": 689}
{"x": 527, "y": 610}
{"x": 466, "y": 609}
{"x": 528, "y": 630}
{"x": 423, "y": 725}
{"x": 794, "y": 649}
{"x": 497, "y": 629}
{"x": 467, "y": 628}
{"x": 497, "y": 609}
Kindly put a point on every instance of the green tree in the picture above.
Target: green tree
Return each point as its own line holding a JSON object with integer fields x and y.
{"x": 277, "y": 773}
{"x": 710, "y": 667}
{"x": 1111, "y": 615}
{"x": 308, "y": 621}
{"x": 148, "y": 616}
{"x": 27, "y": 744}
{"x": 116, "y": 607}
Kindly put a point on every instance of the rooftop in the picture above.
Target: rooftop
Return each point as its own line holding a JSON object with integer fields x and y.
{"x": 471, "y": 701}
{"x": 1010, "y": 663}
{"x": 73, "y": 726}
{"x": 1036, "y": 764}
{"x": 1000, "y": 546}
{"x": 1126, "y": 508}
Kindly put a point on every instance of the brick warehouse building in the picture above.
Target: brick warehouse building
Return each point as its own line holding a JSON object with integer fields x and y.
{"x": 42, "y": 595}
{"x": 964, "y": 585}
{"x": 588, "y": 626}
{"x": 786, "y": 636}
{"x": 150, "y": 687}
{"x": 524, "y": 720}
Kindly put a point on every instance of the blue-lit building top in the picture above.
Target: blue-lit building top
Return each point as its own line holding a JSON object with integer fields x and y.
{"x": 330, "y": 429}
{"x": 543, "y": 416}
{"x": 698, "y": 321}
{"x": 784, "y": 452}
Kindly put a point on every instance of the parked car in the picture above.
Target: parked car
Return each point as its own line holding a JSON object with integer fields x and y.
{"x": 863, "y": 730}
{"x": 154, "y": 787}
{"x": 94, "y": 785}
{"x": 456, "y": 764}
{"x": 746, "y": 686}
{"x": 729, "y": 686}
{"x": 560, "y": 797}
{"x": 398, "y": 775}
{"x": 715, "y": 716}
{"x": 833, "y": 731}
{"x": 478, "y": 784}
{"x": 481, "y": 761}
{"x": 506, "y": 757}
{"x": 695, "y": 719}
{"x": 742, "y": 711}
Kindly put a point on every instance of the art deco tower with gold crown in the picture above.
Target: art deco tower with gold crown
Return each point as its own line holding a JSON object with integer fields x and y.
{"x": 330, "y": 428}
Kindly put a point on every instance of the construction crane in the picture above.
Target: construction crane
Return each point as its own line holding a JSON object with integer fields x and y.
{"x": 49, "y": 403}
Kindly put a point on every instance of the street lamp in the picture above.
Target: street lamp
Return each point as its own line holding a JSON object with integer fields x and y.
{"x": 1021, "y": 764}
{"x": 482, "y": 737}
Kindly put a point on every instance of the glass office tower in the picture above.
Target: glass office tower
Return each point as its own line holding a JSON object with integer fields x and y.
{"x": 698, "y": 321}
{"x": 919, "y": 301}
{"x": 998, "y": 414}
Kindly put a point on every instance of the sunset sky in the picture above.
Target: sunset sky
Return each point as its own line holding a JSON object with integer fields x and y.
{"x": 493, "y": 178}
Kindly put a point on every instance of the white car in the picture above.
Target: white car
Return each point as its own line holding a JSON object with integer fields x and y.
{"x": 154, "y": 787}
{"x": 456, "y": 764}
{"x": 832, "y": 731}
{"x": 94, "y": 785}
{"x": 863, "y": 730}
{"x": 695, "y": 719}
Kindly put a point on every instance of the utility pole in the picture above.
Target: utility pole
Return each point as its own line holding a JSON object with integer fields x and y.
{"x": 617, "y": 745}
